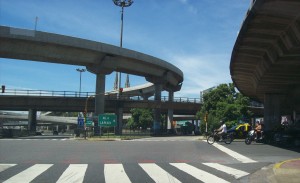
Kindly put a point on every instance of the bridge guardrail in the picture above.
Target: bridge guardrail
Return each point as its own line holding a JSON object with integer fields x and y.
{"x": 45, "y": 93}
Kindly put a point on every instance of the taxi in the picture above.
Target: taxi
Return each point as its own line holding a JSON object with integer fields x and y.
{"x": 240, "y": 130}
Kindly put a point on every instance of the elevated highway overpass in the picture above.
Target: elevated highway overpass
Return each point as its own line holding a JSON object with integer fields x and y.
{"x": 265, "y": 61}
{"x": 63, "y": 101}
{"x": 99, "y": 58}
{"x": 180, "y": 106}
{"x": 96, "y": 56}
{"x": 66, "y": 101}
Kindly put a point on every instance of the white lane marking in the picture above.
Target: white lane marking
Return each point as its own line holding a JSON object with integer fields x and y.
{"x": 157, "y": 173}
{"x": 198, "y": 174}
{"x": 231, "y": 171}
{"x": 115, "y": 173}
{"x": 6, "y": 166}
{"x": 74, "y": 173}
{"x": 29, "y": 174}
{"x": 234, "y": 154}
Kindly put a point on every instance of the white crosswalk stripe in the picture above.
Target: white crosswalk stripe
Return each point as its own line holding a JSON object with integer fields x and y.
{"x": 115, "y": 173}
{"x": 198, "y": 174}
{"x": 6, "y": 166}
{"x": 234, "y": 154}
{"x": 29, "y": 174}
{"x": 75, "y": 173}
{"x": 231, "y": 171}
{"x": 158, "y": 174}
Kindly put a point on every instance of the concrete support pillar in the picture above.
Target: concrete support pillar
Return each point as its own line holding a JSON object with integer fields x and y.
{"x": 194, "y": 126}
{"x": 294, "y": 116}
{"x": 119, "y": 119}
{"x": 197, "y": 129}
{"x": 272, "y": 115}
{"x": 170, "y": 128}
{"x": 157, "y": 111}
{"x": 100, "y": 90}
{"x": 99, "y": 100}
{"x": 32, "y": 121}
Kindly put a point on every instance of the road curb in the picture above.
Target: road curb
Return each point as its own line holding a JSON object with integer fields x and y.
{"x": 287, "y": 171}
{"x": 290, "y": 166}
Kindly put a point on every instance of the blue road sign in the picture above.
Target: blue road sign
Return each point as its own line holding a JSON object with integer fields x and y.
{"x": 80, "y": 121}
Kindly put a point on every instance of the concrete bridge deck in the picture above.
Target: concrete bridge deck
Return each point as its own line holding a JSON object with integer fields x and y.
{"x": 265, "y": 61}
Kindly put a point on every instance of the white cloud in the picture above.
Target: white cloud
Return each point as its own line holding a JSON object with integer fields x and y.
{"x": 201, "y": 72}
{"x": 192, "y": 9}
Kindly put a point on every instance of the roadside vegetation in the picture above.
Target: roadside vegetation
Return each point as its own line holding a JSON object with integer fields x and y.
{"x": 223, "y": 103}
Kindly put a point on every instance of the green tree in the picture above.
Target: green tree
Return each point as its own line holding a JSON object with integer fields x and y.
{"x": 223, "y": 103}
{"x": 140, "y": 118}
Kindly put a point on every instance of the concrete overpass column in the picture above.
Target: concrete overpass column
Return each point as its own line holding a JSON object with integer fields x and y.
{"x": 294, "y": 116}
{"x": 272, "y": 115}
{"x": 119, "y": 119}
{"x": 157, "y": 111}
{"x": 99, "y": 99}
{"x": 170, "y": 128}
{"x": 32, "y": 121}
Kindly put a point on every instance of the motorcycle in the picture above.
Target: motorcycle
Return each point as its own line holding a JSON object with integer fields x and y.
{"x": 214, "y": 137}
{"x": 252, "y": 136}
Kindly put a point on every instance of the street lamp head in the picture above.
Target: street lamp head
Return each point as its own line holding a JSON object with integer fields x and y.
{"x": 80, "y": 70}
{"x": 123, "y": 3}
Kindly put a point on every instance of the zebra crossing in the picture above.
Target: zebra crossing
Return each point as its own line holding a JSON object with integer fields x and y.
{"x": 173, "y": 139}
{"x": 158, "y": 140}
{"x": 125, "y": 173}
{"x": 37, "y": 139}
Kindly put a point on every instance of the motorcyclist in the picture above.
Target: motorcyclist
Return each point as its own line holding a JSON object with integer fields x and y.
{"x": 222, "y": 130}
{"x": 258, "y": 130}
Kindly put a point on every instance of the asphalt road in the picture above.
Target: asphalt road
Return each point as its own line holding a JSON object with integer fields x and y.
{"x": 172, "y": 159}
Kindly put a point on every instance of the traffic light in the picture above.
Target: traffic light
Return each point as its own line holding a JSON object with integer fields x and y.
{"x": 120, "y": 91}
{"x": 3, "y": 88}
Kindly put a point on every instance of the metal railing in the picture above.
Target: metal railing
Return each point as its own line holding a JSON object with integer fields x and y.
{"x": 47, "y": 93}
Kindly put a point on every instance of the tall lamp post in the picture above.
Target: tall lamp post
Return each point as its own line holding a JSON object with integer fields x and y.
{"x": 80, "y": 71}
{"x": 122, "y": 4}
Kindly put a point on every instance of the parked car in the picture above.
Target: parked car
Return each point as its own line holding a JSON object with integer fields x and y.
{"x": 240, "y": 130}
{"x": 39, "y": 133}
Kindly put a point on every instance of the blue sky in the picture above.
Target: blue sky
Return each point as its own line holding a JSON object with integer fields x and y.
{"x": 197, "y": 36}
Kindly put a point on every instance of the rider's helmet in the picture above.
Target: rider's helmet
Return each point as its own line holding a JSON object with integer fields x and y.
{"x": 221, "y": 122}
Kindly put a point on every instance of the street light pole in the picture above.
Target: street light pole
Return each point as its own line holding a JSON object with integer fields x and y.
{"x": 122, "y": 4}
{"x": 80, "y": 71}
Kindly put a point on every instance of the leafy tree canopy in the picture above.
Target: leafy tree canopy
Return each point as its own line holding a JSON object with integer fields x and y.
{"x": 140, "y": 118}
{"x": 223, "y": 103}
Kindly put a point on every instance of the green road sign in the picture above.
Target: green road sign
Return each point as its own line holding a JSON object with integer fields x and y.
{"x": 107, "y": 120}
{"x": 89, "y": 122}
